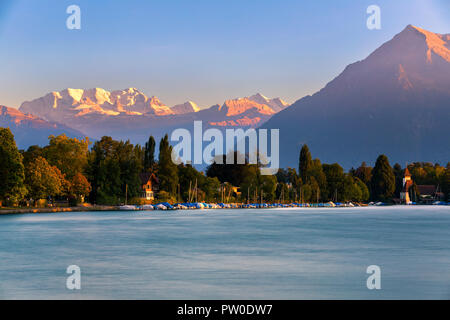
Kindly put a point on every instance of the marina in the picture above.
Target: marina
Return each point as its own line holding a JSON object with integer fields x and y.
{"x": 202, "y": 205}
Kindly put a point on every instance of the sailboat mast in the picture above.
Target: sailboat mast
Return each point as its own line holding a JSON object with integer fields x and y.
{"x": 190, "y": 185}
{"x": 196, "y": 191}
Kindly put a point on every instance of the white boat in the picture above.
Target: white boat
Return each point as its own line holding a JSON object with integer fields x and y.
{"x": 147, "y": 207}
{"x": 199, "y": 205}
{"x": 161, "y": 207}
{"x": 128, "y": 208}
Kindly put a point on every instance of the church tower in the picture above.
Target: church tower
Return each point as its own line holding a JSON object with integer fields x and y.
{"x": 407, "y": 183}
{"x": 407, "y": 177}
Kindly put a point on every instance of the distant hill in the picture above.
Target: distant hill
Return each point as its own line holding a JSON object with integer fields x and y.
{"x": 31, "y": 130}
{"x": 396, "y": 102}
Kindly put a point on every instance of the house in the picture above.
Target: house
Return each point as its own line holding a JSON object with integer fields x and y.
{"x": 236, "y": 191}
{"x": 150, "y": 184}
{"x": 429, "y": 193}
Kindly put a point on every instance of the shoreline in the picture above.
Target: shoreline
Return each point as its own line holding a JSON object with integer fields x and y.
{"x": 57, "y": 209}
{"x": 10, "y": 211}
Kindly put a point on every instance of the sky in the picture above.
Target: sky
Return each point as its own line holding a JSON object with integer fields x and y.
{"x": 206, "y": 51}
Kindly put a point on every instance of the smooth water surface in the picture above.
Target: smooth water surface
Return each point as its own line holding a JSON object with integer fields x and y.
{"x": 297, "y": 253}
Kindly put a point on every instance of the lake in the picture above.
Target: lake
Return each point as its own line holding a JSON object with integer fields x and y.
{"x": 292, "y": 253}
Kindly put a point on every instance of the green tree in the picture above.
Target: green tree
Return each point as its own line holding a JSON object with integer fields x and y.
{"x": 320, "y": 177}
{"x": 31, "y": 154}
{"x": 149, "y": 154}
{"x": 364, "y": 173}
{"x": 43, "y": 180}
{"x": 365, "y": 195}
{"x": 282, "y": 192}
{"x": 426, "y": 173}
{"x": 305, "y": 163}
{"x": 167, "y": 170}
{"x": 114, "y": 169}
{"x": 208, "y": 188}
{"x": 315, "y": 190}
{"x": 398, "y": 173}
{"x": 11, "y": 169}
{"x": 255, "y": 186}
{"x": 282, "y": 176}
{"x": 79, "y": 187}
{"x": 211, "y": 188}
{"x": 130, "y": 164}
{"x": 249, "y": 184}
{"x": 268, "y": 185}
{"x": 335, "y": 181}
{"x": 288, "y": 183}
{"x": 293, "y": 178}
{"x": 383, "y": 180}
{"x": 104, "y": 172}
{"x": 306, "y": 193}
{"x": 350, "y": 190}
{"x": 69, "y": 155}
{"x": 234, "y": 174}
{"x": 445, "y": 182}
{"x": 164, "y": 196}
{"x": 188, "y": 175}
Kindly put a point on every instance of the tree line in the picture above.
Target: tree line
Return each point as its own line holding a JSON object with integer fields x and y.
{"x": 314, "y": 181}
{"x": 67, "y": 169}
{"x": 75, "y": 170}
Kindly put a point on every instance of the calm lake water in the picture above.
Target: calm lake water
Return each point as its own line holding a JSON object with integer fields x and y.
{"x": 301, "y": 253}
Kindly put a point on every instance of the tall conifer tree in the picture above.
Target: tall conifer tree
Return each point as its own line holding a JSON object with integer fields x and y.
{"x": 167, "y": 170}
{"x": 149, "y": 154}
{"x": 383, "y": 180}
{"x": 305, "y": 163}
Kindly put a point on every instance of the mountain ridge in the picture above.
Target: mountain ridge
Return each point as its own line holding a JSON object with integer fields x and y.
{"x": 130, "y": 114}
{"x": 395, "y": 101}
{"x": 69, "y": 103}
{"x": 31, "y": 130}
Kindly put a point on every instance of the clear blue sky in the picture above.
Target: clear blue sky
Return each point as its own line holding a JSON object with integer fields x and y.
{"x": 201, "y": 50}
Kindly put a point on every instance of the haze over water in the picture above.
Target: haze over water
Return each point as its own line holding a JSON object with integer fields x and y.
{"x": 297, "y": 253}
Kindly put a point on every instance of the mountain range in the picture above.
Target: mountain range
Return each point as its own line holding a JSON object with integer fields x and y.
{"x": 70, "y": 103}
{"x": 130, "y": 114}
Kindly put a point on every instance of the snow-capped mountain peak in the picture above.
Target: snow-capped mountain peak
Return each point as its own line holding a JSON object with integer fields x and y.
{"x": 70, "y": 103}
{"x": 241, "y": 105}
{"x": 276, "y": 104}
{"x": 186, "y": 107}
